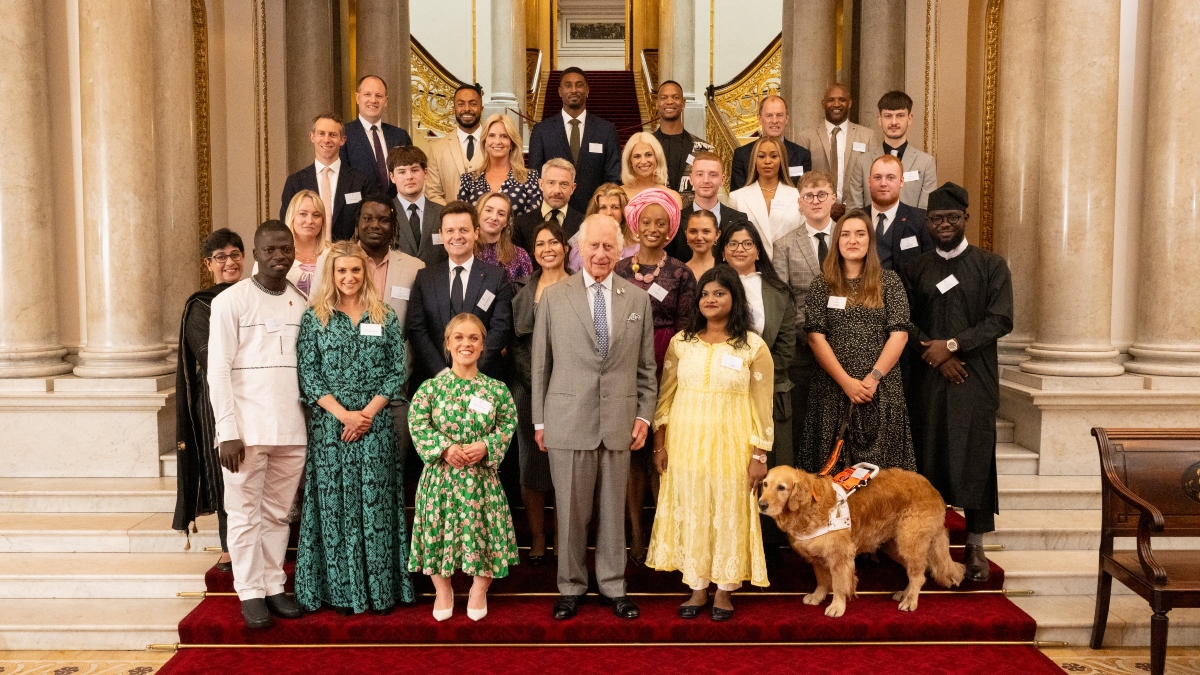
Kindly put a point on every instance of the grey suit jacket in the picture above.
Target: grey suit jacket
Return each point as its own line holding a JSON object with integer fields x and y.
{"x": 796, "y": 262}
{"x": 920, "y": 178}
{"x": 585, "y": 401}
{"x": 817, "y": 142}
{"x": 431, "y": 222}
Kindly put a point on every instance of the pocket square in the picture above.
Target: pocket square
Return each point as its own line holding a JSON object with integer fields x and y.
{"x": 634, "y": 317}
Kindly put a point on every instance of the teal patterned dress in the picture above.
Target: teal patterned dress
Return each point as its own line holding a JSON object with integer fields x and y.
{"x": 353, "y": 551}
{"x": 462, "y": 519}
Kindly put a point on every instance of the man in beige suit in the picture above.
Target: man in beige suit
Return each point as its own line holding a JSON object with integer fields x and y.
{"x": 594, "y": 393}
{"x": 838, "y": 143}
{"x": 920, "y": 171}
{"x": 461, "y": 151}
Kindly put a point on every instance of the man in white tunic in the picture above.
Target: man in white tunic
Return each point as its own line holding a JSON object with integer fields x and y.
{"x": 260, "y": 424}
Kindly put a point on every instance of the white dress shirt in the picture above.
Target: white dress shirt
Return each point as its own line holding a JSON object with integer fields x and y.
{"x": 567, "y": 126}
{"x": 335, "y": 170}
{"x": 816, "y": 243}
{"x": 605, "y": 287}
{"x": 462, "y": 141}
{"x": 367, "y": 126}
{"x": 466, "y": 273}
{"x": 948, "y": 255}
{"x": 758, "y": 314}
{"x": 889, "y": 216}
{"x": 842, "y": 141}
{"x": 406, "y": 214}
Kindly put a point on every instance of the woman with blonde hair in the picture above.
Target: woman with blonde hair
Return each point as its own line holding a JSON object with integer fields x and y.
{"x": 644, "y": 166}
{"x": 769, "y": 199}
{"x": 353, "y": 550}
{"x": 503, "y": 169}
{"x": 306, "y": 218}
{"x": 495, "y": 243}
{"x": 611, "y": 200}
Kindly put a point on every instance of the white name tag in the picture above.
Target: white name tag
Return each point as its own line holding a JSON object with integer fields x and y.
{"x": 657, "y": 292}
{"x": 274, "y": 325}
{"x": 910, "y": 176}
{"x": 353, "y": 197}
{"x": 859, "y": 147}
{"x": 947, "y": 283}
{"x": 795, "y": 171}
{"x": 437, "y": 239}
{"x": 731, "y": 362}
{"x": 780, "y": 203}
{"x": 690, "y": 159}
{"x": 907, "y": 243}
{"x": 485, "y": 302}
{"x": 370, "y": 329}
{"x": 479, "y": 405}
{"x": 596, "y": 147}
{"x": 402, "y": 293}
{"x": 836, "y": 302}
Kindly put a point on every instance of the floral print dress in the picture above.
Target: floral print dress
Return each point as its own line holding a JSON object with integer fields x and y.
{"x": 462, "y": 518}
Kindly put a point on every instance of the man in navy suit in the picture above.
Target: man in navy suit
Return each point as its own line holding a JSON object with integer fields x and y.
{"x": 587, "y": 141}
{"x": 461, "y": 283}
{"x": 369, "y": 138}
{"x": 900, "y": 232}
{"x": 773, "y": 117}
{"x": 340, "y": 186}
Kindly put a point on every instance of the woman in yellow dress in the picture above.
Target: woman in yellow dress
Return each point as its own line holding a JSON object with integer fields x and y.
{"x": 712, "y": 430}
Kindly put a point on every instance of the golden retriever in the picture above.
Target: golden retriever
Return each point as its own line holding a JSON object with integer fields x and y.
{"x": 899, "y": 510}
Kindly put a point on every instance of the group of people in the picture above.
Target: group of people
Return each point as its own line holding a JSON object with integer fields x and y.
{"x": 604, "y": 314}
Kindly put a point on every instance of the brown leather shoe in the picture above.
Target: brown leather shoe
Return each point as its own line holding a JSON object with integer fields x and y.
{"x": 977, "y": 563}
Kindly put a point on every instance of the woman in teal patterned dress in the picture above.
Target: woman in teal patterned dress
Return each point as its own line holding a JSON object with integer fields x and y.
{"x": 353, "y": 550}
{"x": 461, "y": 422}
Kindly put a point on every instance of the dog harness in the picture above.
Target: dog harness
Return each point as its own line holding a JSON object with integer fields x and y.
{"x": 854, "y": 477}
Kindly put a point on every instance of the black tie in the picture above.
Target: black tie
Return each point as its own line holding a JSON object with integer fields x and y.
{"x": 414, "y": 221}
{"x": 879, "y": 226}
{"x": 456, "y": 292}
{"x": 822, "y": 248}
{"x": 470, "y": 148}
{"x": 555, "y": 216}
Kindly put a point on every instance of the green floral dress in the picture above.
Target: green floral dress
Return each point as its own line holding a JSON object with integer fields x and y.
{"x": 353, "y": 549}
{"x": 462, "y": 518}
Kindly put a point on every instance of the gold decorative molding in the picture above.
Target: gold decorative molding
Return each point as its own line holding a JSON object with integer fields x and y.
{"x": 203, "y": 142}
{"x": 737, "y": 100}
{"x": 716, "y": 131}
{"x": 532, "y": 56}
{"x": 432, "y": 92}
{"x": 991, "y": 83}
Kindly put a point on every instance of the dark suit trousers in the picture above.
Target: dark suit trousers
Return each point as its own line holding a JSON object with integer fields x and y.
{"x": 583, "y": 478}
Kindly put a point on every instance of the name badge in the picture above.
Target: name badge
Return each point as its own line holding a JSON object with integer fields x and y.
{"x": 353, "y": 197}
{"x": 479, "y": 405}
{"x": 780, "y": 203}
{"x": 402, "y": 293}
{"x": 907, "y": 243}
{"x": 689, "y": 160}
{"x": 274, "y": 325}
{"x": 859, "y": 147}
{"x": 370, "y": 329}
{"x": 795, "y": 171}
{"x": 836, "y": 302}
{"x": 731, "y": 362}
{"x": 485, "y": 302}
{"x": 596, "y": 147}
{"x": 910, "y": 176}
{"x": 657, "y": 292}
{"x": 947, "y": 283}
{"x": 437, "y": 239}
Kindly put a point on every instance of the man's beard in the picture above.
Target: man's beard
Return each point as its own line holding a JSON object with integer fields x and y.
{"x": 953, "y": 243}
{"x": 463, "y": 124}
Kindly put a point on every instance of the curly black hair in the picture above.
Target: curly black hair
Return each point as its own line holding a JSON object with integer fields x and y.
{"x": 739, "y": 314}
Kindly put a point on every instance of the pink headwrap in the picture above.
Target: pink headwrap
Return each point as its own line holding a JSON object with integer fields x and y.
{"x": 633, "y": 211}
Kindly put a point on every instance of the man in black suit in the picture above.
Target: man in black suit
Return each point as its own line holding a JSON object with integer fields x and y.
{"x": 900, "y": 231}
{"x": 587, "y": 141}
{"x": 558, "y": 184}
{"x": 707, "y": 177}
{"x": 417, "y": 218}
{"x": 461, "y": 283}
{"x": 773, "y": 117}
{"x": 340, "y": 186}
{"x": 369, "y": 138}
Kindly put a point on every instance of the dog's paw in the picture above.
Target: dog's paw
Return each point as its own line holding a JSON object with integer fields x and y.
{"x": 814, "y": 598}
{"x": 836, "y": 608}
{"x": 909, "y": 604}
{"x": 898, "y": 596}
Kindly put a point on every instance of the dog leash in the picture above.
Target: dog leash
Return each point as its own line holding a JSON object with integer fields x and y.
{"x": 840, "y": 442}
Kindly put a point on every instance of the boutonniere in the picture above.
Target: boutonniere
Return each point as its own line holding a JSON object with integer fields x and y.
{"x": 634, "y": 317}
{"x": 620, "y": 291}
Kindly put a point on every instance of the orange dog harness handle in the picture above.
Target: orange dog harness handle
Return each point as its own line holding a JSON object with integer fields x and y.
{"x": 841, "y": 441}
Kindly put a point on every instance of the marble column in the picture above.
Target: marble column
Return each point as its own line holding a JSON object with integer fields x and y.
{"x": 1078, "y": 185}
{"x": 175, "y": 145}
{"x": 29, "y": 342}
{"x": 383, "y": 48}
{"x": 507, "y": 90}
{"x": 311, "y": 70}
{"x": 880, "y": 56}
{"x": 809, "y": 55}
{"x": 1167, "y": 338}
{"x": 1018, "y": 163}
{"x": 677, "y": 57}
{"x": 121, "y": 266}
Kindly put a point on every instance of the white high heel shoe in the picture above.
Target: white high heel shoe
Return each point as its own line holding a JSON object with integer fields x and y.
{"x": 476, "y": 614}
{"x": 443, "y": 614}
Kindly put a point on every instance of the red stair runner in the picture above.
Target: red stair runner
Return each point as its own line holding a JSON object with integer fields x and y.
{"x": 611, "y": 95}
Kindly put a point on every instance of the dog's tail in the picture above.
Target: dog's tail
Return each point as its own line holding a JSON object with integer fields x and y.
{"x": 944, "y": 570}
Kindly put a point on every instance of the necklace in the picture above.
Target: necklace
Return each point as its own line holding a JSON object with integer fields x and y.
{"x": 648, "y": 278}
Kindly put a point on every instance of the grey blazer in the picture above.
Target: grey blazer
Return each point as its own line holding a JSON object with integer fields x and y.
{"x": 817, "y": 142}
{"x": 431, "y": 222}
{"x": 796, "y": 262}
{"x": 915, "y": 192}
{"x": 585, "y": 401}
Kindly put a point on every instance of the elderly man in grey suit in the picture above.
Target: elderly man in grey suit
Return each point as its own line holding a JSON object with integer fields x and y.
{"x": 594, "y": 392}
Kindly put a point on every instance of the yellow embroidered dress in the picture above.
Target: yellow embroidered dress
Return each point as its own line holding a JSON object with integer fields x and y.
{"x": 715, "y": 401}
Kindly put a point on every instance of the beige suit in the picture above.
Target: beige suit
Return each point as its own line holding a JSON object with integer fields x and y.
{"x": 859, "y": 141}
{"x": 783, "y": 218}
{"x": 920, "y": 178}
{"x": 446, "y": 163}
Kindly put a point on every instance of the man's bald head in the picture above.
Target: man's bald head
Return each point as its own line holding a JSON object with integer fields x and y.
{"x": 837, "y": 103}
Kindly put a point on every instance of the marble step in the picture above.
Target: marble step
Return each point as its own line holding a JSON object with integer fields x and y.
{"x": 167, "y": 464}
{"x": 1049, "y": 492}
{"x": 1052, "y": 572}
{"x": 1012, "y": 459}
{"x": 102, "y": 575}
{"x": 1052, "y": 529}
{"x": 91, "y": 624}
{"x": 100, "y": 533}
{"x": 1068, "y": 618}
{"x": 87, "y": 495}
{"x": 1005, "y": 431}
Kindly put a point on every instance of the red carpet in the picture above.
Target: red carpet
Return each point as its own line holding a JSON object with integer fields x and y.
{"x": 611, "y": 95}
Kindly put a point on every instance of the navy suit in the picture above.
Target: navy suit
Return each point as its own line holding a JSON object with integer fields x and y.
{"x": 525, "y": 224}
{"x": 798, "y": 155}
{"x": 358, "y": 153}
{"x": 429, "y": 312}
{"x": 345, "y": 215}
{"x": 908, "y": 223}
{"x": 549, "y": 140}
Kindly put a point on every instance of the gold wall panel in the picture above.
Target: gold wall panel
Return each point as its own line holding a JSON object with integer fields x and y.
{"x": 737, "y": 100}
{"x": 432, "y": 92}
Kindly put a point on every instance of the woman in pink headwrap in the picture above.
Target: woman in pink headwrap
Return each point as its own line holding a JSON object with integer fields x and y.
{"x": 653, "y": 215}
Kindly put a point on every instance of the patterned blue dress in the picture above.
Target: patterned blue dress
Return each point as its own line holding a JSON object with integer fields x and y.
{"x": 525, "y": 197}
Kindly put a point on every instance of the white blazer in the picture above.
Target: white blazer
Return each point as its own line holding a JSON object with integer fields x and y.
{"x": 784, "y": 217}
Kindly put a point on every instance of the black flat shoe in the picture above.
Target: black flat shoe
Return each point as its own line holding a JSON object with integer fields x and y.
{"x": 344, "y": 611}
{"x": 623, "y": 606}
{"x": 224, "y": 566}
{"x": 537, "y": 560}
{"x": 567, "y": 606}
{"x": 719, "y": 614}
{"x": 282, "y": 605}
{"x": 637, "y": 559}
{"x": 977, "y": 563}
{"x": 690, "y": 611}
{"x": 256, "y": 614}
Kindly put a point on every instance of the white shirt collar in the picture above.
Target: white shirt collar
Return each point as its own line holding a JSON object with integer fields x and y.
{"x": 404, "y": 203}
{"x": 588, "y": 281}
{"x": 466, "y": 268}
{"x": 367, "y": 126}
{"x": 844, "y": 126}
{"x": 812, "y": 233}
{"x": 336, "y": 165}
{"x": 889, "y": 216}
{"x": 582, "y": 118}
{"x": 462, "y": 135}
{"x": 948, "y": 255}
{"x": 752, "y": 275}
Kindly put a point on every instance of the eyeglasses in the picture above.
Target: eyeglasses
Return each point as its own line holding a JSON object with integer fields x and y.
{"x": 221, "y": 258}
{"x": 740, "y": 245}
{"x": 817, "y": 197}
{"x": 953, "y": 219}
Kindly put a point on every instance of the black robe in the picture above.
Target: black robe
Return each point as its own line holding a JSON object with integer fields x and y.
{"x": 200, "y": 487}
{"x": 954, "y": 425}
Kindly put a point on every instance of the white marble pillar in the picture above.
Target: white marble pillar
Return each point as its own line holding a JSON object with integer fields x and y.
{"x": 1167, "y": 338}
{"x": 311, "y": 70}
{"x": 809, "y": 54}
{"x": 507, "y": 89}
{"x": 1018, "y": 163}
{"x": 1078, "y": 185}
{"x": 880, "y": 56}
{"x": 677, "y": 57}
{"x": 383, "y": 49}
{"x": 29, "y": 342}
{"x": 117, "y": 102}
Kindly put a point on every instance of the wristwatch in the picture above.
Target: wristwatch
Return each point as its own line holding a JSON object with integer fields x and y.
{"x": 761, "y": 458}
{"x": 952, "y": 345}
{"x": 877, "y": 375}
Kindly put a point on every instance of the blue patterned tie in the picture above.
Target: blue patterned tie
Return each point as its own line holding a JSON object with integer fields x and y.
{"x": 599, "y": 321}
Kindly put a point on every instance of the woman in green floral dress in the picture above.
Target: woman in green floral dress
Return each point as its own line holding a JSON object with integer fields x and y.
{"x": 461, "y": 422}
{"x": 353, "y": 550}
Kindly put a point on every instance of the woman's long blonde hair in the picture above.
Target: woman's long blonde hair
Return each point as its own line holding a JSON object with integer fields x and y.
{"x": 505, "y": 249}
{"x": 870, "y": 279}
{"x": 612, "y": 190}
{"x": 325, "y": 298}
{"x": 516, "y": 159}
{"x": 752, "y": 173}
{"x": 318, "y": 206}
{"x": 660, "y": 158}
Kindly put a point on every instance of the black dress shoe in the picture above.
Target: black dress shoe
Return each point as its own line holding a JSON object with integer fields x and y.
{"x": 567, "y": 606}
{"x": 977, "y": 563}
{"x": 690, "y": 611}
{"x": 256, "y": 614}
{"x": 719, "y": 614}
{"x": 283, "y": 606}
{"x": 537, "y": 560}
{"x": 344, "y": 611}
{"x": 623, "y": 606}
{"x": 224, "y": 566}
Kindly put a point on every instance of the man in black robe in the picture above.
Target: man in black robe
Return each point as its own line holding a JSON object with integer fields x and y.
{"x": 962, "y": 303}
